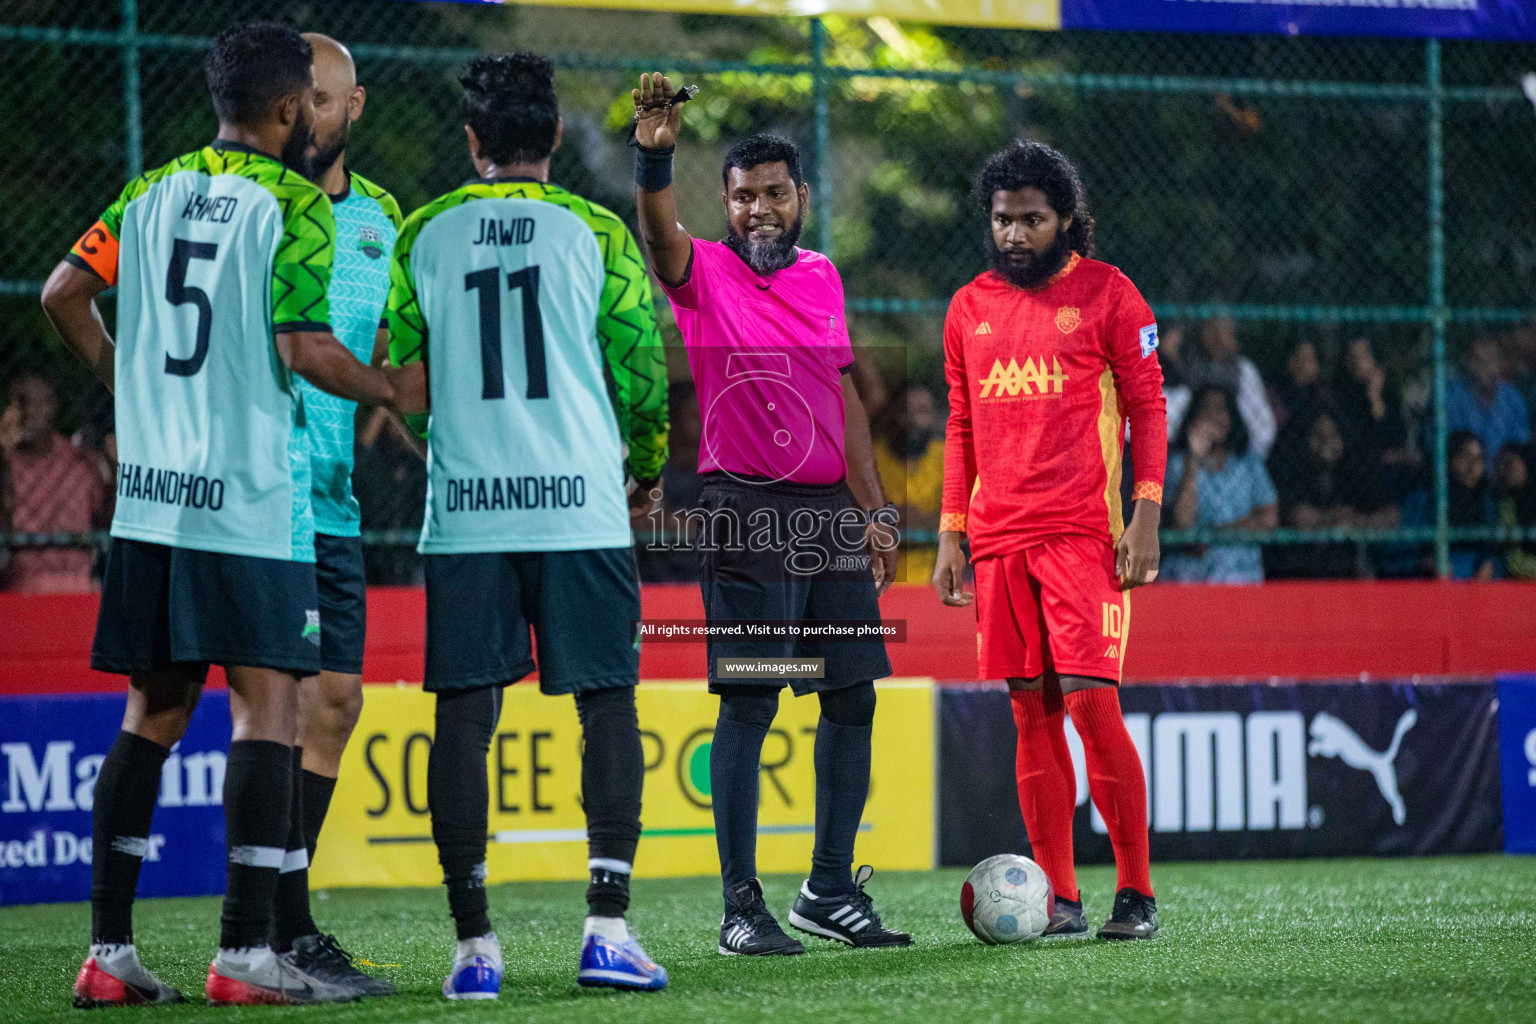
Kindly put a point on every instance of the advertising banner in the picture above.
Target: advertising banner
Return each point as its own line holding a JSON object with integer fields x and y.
{"x": 378, "y": 831}
{"x": 1517, "y": 752}
{"x": 1446, "y": 19}
{"x": 1045, "y": 14}
{"x": 1262, "y": 770}
{"x": 53, "y": 748}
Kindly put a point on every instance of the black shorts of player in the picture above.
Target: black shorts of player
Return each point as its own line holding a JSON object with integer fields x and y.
{"x": 814, "y": 566}
{"x": 163, "y": 606}
{"x": 343, "y": 596}
{"x": 583, "y": 607}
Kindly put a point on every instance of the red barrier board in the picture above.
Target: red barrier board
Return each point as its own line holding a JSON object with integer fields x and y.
{"x": 1293, "y": 630}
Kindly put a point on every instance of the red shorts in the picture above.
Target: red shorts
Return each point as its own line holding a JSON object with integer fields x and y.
{"x": 1055, "y": 606}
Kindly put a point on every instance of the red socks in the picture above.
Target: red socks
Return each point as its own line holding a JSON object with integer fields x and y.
{"x": 1047, "y": 788}
{"x": 1115, "y": 780}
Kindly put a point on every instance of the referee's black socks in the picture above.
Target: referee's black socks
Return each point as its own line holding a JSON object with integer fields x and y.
{"x": 612, "y": 775}
{"x": 746, "y": 713}
{"x": 458, "y": 796}
{"x": 842, "y": 783}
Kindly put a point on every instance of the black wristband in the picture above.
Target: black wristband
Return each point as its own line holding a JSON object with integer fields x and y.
{"x": 653, "y": 167}
{"x": 888, "y": 514}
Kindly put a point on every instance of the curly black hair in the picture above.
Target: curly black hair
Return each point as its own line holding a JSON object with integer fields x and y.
{"x": 1036, "y": 165}
{"x": 252, "y": 65}
{"x": 755, "y": 150}
{"x": 509, "y": 100}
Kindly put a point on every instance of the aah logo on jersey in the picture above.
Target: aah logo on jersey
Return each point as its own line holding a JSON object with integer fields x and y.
{"x": 1031, "y": 380}
{"x": 371, "y": 242}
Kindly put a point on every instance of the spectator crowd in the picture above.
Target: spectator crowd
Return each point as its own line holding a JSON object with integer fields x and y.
{"x": 1330, "y": 442}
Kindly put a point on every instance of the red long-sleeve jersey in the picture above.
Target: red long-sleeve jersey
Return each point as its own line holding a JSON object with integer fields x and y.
{"x": 1041, "y": 385}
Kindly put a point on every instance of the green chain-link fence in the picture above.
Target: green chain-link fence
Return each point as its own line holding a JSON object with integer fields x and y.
{"x": 1350, "y": 216}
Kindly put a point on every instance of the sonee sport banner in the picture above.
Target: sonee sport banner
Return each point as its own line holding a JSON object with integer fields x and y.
{"x": 1263, "y": 770}
{"x": 378, "y": 831}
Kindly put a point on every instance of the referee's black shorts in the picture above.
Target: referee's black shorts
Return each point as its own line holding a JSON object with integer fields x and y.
{"x": 813, "y": 566}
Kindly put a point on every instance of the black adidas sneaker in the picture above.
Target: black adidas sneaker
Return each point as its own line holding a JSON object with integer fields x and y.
{"x": 748, "y": 929}
{"x": 849, "y": 918}
{"x": 1134, "y": 917}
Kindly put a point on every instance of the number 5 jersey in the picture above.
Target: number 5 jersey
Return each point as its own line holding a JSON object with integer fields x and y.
{"x": 213, "y": 254}
{"x": 532, "y": 310}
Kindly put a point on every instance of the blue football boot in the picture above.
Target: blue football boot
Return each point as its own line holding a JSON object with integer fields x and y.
{"x": 476, "y": 970}
{"x": 607, "y": 964}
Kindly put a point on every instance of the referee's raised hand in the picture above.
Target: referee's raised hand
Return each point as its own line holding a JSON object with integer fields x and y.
{"x": 657, "y": 119}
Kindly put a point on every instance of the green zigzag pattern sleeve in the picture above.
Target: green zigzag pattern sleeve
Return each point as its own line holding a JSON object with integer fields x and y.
{"x": 402, "y": 311}
{"x": 301, "y": 271}
{"x": 626, "y": 327}
{"x": 112, "y": 216}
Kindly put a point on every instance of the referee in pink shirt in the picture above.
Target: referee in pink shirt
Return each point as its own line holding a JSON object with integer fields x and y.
{"x": 794, "y": 507}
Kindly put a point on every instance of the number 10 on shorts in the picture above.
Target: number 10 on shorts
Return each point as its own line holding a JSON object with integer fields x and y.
{"x": 1114, "y": 620}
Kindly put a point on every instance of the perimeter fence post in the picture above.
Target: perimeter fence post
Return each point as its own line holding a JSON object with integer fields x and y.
{"x": 1437, "y": 311}
{"x": 821, "y": 197}
{"x": 133, "y": 119}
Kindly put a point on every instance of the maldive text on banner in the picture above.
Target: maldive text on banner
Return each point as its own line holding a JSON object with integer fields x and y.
{"x": 52, "y": 749}
{"x": 379, "y": 833}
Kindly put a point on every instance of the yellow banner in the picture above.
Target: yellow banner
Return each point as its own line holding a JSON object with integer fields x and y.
{"x": 1044, "y": 14}
{"x": 378, "y": 831}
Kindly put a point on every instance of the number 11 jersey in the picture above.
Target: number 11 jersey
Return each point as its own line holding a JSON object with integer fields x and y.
{"x": 213, "y": 254}
{"x": 533, "y": 312}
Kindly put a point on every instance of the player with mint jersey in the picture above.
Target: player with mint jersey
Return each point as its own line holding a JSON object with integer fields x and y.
{"x": 214, "y": 253}
{"x": 528, "y": 303}
{"x": 367, "y": 223}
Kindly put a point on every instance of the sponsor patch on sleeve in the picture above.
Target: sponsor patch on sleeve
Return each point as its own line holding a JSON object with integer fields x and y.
{"x": 1148, "y": 340}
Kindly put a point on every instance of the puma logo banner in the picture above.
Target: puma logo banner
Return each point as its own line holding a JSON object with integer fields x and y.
{"x": 1332, "y": 738}
{"x": 1284, "y": 769}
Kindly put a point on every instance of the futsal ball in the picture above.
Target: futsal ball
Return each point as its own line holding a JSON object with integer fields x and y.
{"x": 1007, "y": 898}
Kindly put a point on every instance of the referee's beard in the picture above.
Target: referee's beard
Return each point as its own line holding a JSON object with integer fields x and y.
{"x": 766, "y": 257}
{"x": 1024, "y": 268}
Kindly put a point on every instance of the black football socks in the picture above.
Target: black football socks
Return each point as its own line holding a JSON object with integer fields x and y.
{"x": 458, "y": 795}
{"x": 258, "y": 789}
{"x": 290, "y": 910}
{"x": 126, "y": 790}
{"x": 317, "y": 801}
{"x": 746, "y": 713}
{"x": 612, "y": 775}
{"x": 842, "y": 758}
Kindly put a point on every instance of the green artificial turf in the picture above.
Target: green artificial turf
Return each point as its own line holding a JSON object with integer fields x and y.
{"x": 1379, "y": 941}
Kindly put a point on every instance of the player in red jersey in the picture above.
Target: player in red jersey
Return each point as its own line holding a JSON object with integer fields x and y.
{"x": 1048, "y": 355}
